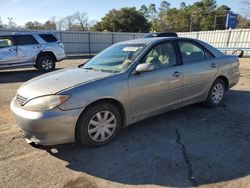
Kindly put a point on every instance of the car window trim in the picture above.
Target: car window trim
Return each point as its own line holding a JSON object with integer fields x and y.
{"x": 195, "y": 43}
{"x": 178, "y": 62}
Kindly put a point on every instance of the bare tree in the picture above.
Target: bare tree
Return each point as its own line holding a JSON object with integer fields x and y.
{"x": 59, "y": 24}
{"x": 11, "y": 23}
{"x": 1, "y": 23}
{"x": 81, "y": 20}
{"x": 246, "y": 7}
{"x": 68, "y": 22}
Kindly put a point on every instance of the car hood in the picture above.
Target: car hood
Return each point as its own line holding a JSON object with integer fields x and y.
{"x": 54, "y": 82}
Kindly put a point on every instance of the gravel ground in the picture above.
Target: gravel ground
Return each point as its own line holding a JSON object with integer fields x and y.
{"x": 191, "y": 146}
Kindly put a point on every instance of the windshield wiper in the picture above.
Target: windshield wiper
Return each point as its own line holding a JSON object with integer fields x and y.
{"x": 90, "y": 68}
{"x": 102, "y": 70}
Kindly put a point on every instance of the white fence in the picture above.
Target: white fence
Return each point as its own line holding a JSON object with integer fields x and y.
{"x": 88, "y": 43}
{"x": 231, "y": 39}
{"x": 84, "y": 43}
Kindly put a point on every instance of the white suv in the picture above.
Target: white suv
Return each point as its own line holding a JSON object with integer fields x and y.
{"x": 41, "y": 50}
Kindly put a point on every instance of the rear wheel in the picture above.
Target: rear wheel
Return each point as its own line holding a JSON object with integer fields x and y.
{"x": 216, "y": 93}
{"x": 98, "y": 124}
{"x": 45, "y": 64}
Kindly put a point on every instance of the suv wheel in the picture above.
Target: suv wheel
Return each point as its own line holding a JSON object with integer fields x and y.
{"x": 216, "y": 93}
{"x": 98, "y": 124}
{"x": 46, "y": 64}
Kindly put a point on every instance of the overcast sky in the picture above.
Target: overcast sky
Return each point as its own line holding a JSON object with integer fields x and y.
{"x": 41, "y": 10}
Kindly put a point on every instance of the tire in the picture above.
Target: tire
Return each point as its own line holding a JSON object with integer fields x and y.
{"x": 215, "y": 97}
{"x": 89, "y": 124}
{"x": 46, "y": 64}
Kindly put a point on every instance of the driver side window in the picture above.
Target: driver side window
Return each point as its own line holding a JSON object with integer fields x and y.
{"x": 161, "y": 55}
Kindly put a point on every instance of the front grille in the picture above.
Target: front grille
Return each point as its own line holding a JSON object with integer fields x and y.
{"x": 21, "y": 100}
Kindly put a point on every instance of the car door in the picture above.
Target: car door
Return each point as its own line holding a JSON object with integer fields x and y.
{"x": 8, "y": 51}
{"x": 199, "y": 68}
{"x": 155, "y": 90}
{"x": 27, "y": 47}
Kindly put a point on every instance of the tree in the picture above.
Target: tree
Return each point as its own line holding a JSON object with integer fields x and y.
{"x": 165, "y": 6}
{"x": 174, "y": 20}
{"x": 144, "y": 11}
{"x": 221, "y": 16}
{"x": 68, "y": 22}
{"x": 246, "y": 7}
{"x": 11, "y": 23}
{"x": 1, "y": 23}
{"x": 243, "y": 22}
{"x": 152, "y": 12}
{"x": 123, "y": 20}
{"x": 81, "y": 20}
{"x": 34, "y": 25}
{"x": 183, "y": 5}
{"x": 49, "y": 25}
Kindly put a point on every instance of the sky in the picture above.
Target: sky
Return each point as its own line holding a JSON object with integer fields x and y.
{"x": 23, "y": 11}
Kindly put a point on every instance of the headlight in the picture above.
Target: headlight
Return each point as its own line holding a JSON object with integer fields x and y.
{"x": 45, "y": 103}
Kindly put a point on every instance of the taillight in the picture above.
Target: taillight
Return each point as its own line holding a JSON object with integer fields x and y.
{"x": 238, "y": 61}
{"x": 60, "y": 44}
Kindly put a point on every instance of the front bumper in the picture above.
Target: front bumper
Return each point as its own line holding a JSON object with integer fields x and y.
{"x": 46, "y": 128}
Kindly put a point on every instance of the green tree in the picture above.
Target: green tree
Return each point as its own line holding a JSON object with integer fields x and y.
{"x": 183, "y": 6}
{"x": 152, "y": 12}
{"x": 220, "y": 17}
{"x": 49, "y": 25}
{"x": 144, "y": 11}
{"x": 165, "y": 6}
{"x": 34, "y": 25}
{"x": 123, "y": 20}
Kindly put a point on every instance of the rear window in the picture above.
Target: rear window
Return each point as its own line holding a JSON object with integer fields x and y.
{"x": 48, "y": 37}
{"x": 5, "y": 42}
{"x": 25, "y": 40}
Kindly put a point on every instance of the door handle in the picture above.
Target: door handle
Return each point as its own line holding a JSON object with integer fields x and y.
{"x": 36, "y": 47}
{"x": 12, "y": 49}
{"x": 213, "y": 65}
{"x": 176, "y": 74}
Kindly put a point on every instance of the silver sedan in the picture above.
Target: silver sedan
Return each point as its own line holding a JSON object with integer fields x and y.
{"x": 123, "y": 84}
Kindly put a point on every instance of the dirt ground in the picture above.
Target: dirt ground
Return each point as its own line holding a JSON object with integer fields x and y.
{"x": 191, "y": 146}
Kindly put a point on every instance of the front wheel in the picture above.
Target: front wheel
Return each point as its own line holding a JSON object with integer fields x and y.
{"x": 216, "y": 93}
{"x": 98, "y": 124}
{"x": 46, "y": 64}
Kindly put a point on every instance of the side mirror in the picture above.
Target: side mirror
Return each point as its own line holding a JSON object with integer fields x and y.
{"x": 144, "y": 67}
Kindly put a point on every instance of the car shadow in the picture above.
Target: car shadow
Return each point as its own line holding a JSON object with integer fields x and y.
{"x": 14, "y": 76}
{"x": 194, "y": 145}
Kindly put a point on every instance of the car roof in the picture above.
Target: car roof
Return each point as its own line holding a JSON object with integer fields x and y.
{"x": 153, "y": 40}
{"x": 26, "y": 33}
{"x": 146, "y": 40}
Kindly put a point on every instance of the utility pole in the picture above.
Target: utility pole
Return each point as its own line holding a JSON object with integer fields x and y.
{"x": 191, "y": 22}
{"x": 215, "y": 17}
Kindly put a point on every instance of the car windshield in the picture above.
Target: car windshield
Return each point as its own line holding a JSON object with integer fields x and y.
{"x": 115, "y": 58}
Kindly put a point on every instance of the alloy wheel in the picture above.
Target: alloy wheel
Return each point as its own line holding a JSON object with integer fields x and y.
{"x": 217, "y": 93}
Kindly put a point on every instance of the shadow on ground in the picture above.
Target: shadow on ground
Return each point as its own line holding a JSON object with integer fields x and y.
{"x": 14, "y": 76}
{"x": 194, "y": 145}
